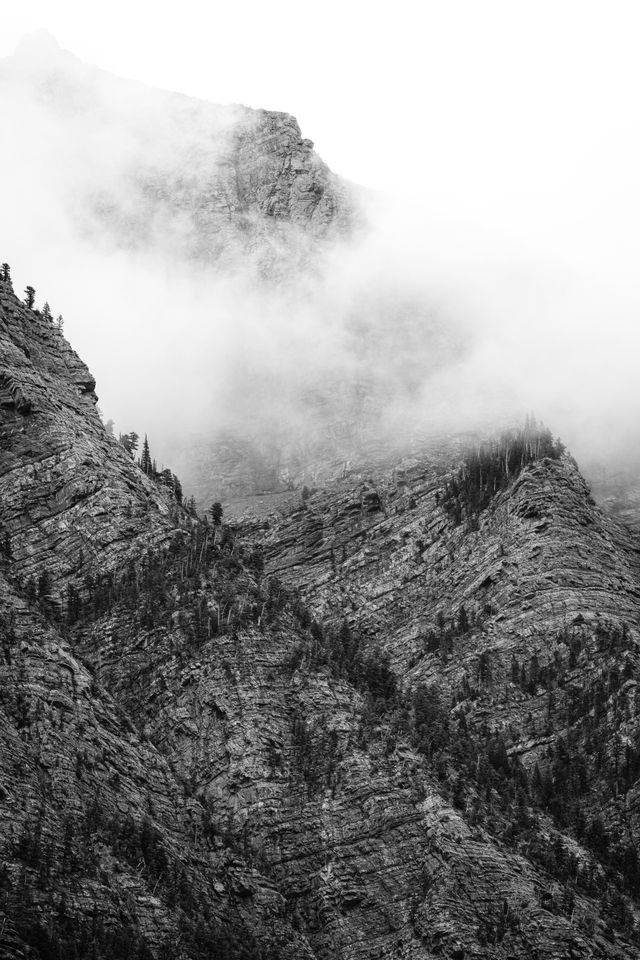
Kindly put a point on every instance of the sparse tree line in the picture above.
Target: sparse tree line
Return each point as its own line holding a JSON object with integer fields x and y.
{"x": 205, "y": 576}
{"x": 164, "y": 478}
{"x": 479, "y": 769}
{"x": 205, "y": 583}
{"x": 30, "y": 300}
{"x": 492, "y": 466}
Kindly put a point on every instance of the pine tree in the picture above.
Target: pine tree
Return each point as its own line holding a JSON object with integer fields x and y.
{"x": 46, "y": 313}
{"x": 6, "y": 273}
{"x": 145, "y": 460}
{"x": 129, "y": 441}
{"x": 30, "y": 297}
{"x": 177, "y": 489}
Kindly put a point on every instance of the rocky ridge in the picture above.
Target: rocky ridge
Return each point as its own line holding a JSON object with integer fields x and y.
{"x": 65, "y": 481}
{"x": 312, "y": 749}
{"x": 96, "y": 821}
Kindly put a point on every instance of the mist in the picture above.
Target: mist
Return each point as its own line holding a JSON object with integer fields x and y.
{"x": 416, "y": 320}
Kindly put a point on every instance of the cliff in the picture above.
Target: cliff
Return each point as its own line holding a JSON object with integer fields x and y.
{"x": 226, "y": 186}
{"x": 395, "y": 716}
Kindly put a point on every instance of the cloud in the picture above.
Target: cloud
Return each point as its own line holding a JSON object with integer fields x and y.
{"x": 118, "y": 208}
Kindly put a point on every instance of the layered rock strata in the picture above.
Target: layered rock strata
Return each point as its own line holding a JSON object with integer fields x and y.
{"x": 282, "y": 736}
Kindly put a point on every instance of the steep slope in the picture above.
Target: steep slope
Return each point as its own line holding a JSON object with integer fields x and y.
{"x": 72, "y": 498}
{"x": 396, "y": 800}
{"x": 102, "y": 843}
{"x": 522, "y": 620}
{"x": 283, "y": 736}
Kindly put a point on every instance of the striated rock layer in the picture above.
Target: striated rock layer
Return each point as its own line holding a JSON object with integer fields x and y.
{"x": 340, "y": 725}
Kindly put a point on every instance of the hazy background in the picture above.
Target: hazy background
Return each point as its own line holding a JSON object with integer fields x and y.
{"x": 500, "y": 146}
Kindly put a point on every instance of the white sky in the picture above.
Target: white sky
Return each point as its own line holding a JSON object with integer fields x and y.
{"x": 520, "y": 116}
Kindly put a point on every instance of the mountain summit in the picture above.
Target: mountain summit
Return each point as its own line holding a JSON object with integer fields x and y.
{"x": 193, "y": 179}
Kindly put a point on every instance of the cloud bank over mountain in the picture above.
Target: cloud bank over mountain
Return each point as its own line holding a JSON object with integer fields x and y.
{"x": 218, "y": 276}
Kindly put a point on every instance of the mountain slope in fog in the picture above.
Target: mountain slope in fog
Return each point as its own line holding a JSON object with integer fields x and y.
{"x": 396, "y": 717}
{"x": 222, "y": 263}
{"x": 267, "y": 323}
{"x": 226, "y": 185}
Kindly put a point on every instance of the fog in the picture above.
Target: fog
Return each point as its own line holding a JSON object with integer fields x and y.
{"x": 418, "y": 319}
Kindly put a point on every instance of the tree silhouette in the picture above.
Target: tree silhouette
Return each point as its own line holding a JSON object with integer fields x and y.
{"x": 145, "y": 460}
{"x": 129, "y": 441}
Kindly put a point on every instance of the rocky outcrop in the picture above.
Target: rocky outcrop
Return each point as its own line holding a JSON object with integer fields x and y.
{"x": 233, "y": 187}
{"x": 73, "y": 499}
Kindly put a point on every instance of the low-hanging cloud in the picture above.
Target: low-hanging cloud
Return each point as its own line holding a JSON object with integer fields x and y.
{"x": 412, "y": 324}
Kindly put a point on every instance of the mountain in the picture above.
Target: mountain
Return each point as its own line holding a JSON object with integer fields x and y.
{"x": 392, "y": 716}
{"x": 386, "y": 705}
{"x": 214, "y": 244}
{"x": 227, "y": 186}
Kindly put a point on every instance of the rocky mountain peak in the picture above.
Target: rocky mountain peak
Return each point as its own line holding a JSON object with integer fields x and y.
{"x": 239, "y": 181}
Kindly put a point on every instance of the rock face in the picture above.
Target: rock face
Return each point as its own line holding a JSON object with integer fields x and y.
{"x": 96, "y": 821}
{"x": 64, "y": 479}
{"x": 341, "y": 725}
{"x": 233, "y": 188}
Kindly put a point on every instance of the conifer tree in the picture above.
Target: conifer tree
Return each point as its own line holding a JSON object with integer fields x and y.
{"x": 30, "y": 297}
{"x": 129, "y": 441}
{"x": 145, "y": 460}
{"x": 6, "y": 273}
